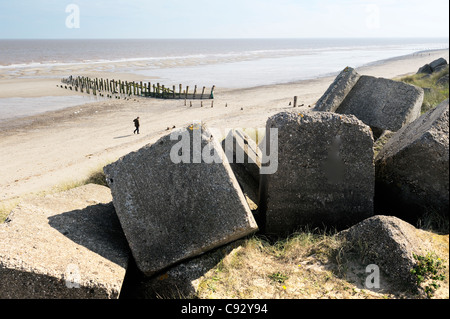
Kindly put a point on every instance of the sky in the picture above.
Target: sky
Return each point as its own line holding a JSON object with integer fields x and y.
{"x": 175, "y": 19}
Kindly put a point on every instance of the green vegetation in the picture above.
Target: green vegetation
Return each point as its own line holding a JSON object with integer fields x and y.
{"x": 381, "y": 142}
{"x": 308, "y": 265}
{"x": 435, "y": 92}
{"x": 428, "y": 271}
{"x": 278, "y": 277}
{"x": 300, "y": 267}
{"x": 96, "y": 177}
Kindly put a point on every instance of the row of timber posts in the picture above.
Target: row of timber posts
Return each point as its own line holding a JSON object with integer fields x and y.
{"x": 97, "y": 86}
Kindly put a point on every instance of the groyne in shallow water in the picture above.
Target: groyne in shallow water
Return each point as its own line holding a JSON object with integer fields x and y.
{"x": 118, "y": 88}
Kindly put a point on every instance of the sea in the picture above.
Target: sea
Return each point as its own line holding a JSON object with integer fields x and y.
{"x": 227, "y": 63}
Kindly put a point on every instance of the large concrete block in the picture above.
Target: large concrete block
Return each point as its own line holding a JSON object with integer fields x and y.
{"x": 338, "y": 91}
{"x": 412, "y": 170}
{"x": 177, "y": 199}
{"x": 383, "y": 104}
{"x": 390, "y": 243}
{"x": 325, "y": 173}
{"x": 437, "y": 64}
{"x": 63, "y": 246}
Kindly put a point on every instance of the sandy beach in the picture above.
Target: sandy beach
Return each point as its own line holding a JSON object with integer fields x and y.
{"x": 50, "y": 149}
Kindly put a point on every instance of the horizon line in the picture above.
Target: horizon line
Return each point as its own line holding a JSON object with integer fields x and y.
{"x": 230, "y": 38}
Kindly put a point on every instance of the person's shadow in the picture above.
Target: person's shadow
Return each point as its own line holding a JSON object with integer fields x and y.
{"x": 125, "y": 136}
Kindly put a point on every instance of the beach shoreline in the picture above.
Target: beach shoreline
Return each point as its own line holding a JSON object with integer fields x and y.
{"x": 43, "y": 81}
{"x": 57, "y": 147}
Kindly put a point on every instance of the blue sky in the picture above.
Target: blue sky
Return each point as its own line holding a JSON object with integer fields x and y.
{"x": 224, "y": 18}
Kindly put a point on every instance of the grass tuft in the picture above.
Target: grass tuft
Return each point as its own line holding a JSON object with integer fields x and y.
{"x": 307, "y": 265}
{"x": 96, "y": 176}
{"x": 6, "y": 207}
{"x": 299, "y": 267}
{"x": 435, "y": 92}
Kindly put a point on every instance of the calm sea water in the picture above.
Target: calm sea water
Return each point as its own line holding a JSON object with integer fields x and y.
{"x": 23, "y": 53}
{"x": 224, "y": 63}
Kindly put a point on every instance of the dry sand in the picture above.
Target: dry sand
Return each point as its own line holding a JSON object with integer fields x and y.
{"x": 59, "y": 147}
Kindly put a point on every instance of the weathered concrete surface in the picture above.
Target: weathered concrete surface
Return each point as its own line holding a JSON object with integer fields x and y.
{"x": 242, "y": 150}
{"x": 434, "y": 66}
{"x": 338, "y": 91}
{"x": 244, "y": 157}
{"x": 426, "y": 69}
{"x": 443, "y": 81}
{"x": 50, "y": 246}
{"x": 412, "y": 170}
{"x": 325, "y": 173}
{"x": 390, "y": 243}
{"x": 437, "y": 64}
{"x": 174, "y": 211}
{"x": 383, "y": 104}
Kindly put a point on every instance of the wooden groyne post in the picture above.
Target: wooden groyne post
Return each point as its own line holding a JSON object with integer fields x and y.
{"x": 98, "y": 86}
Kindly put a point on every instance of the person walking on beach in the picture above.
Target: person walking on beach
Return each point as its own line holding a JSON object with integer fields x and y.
{"x": 136, "y": 124}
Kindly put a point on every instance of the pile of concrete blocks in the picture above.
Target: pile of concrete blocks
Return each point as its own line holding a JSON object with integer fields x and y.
{"x": 383, "y": 104}
{"x": 191, "y": 192}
